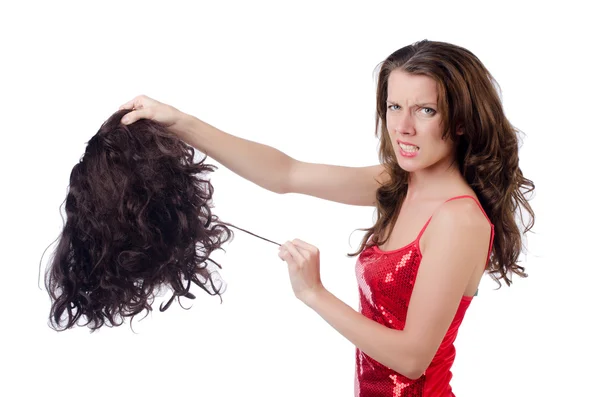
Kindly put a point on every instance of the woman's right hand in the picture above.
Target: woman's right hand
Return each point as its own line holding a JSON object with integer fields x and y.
{"x": 147, "y": 108}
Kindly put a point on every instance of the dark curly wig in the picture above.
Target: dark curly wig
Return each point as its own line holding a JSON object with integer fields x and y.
{"x": 138, "y": 218}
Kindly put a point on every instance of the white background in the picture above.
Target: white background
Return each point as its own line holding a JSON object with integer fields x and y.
{"x": 299, "y": 77}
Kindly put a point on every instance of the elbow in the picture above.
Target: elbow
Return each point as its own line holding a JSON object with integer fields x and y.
{"x": 281, "y": 189}
{"x": 415, "y": 367}
{"x": 414, "y": 371}
{"x": 283, "y": 186}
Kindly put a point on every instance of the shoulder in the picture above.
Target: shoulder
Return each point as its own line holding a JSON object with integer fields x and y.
{"x": 458, "y": 219}
{"x": 453, "y": 246}
{"x": 462, "y": 212}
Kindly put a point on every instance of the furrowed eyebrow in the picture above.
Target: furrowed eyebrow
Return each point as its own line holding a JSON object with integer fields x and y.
{"x": 417, "y": 104}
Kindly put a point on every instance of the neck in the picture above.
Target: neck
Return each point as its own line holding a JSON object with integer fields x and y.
{"x": 434, "y": 182}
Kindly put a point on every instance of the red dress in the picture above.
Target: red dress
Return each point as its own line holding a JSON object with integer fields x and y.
{"x": 386, "y": 280}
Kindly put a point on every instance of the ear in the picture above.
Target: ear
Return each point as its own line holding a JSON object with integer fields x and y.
{"x": 459, "y": 130}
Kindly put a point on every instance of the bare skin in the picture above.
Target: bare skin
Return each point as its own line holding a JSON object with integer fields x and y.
{"x": 454, "y": 246}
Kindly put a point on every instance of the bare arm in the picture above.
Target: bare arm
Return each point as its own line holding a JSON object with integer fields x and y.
{"x": 347, "y": 185}
{"x": 458, "y": 241}
{"x": 261, "y": 164}
{"x": 276, "y": 171}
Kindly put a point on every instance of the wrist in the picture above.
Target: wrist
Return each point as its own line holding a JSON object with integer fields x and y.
{"x": 312, "y": 297}
{"x": 193, "y": 131}
{"x": 186, "y": 127}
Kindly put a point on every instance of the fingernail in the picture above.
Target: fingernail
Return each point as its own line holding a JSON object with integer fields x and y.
{"x": 125, "y": 120}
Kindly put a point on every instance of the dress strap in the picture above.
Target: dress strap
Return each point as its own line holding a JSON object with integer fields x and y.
{"x": 482, "y": 210}
{"x": 486, "y": 217}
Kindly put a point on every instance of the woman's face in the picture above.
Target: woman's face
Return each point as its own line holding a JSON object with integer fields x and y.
{"x": 414, "y": 124}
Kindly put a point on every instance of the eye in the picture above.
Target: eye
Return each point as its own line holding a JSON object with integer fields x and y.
{"x": 429, "y": 111}
{"x": 393, "y": 107}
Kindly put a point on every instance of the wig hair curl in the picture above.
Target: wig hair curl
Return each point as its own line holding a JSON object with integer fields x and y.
{"x": 138, "y": 217}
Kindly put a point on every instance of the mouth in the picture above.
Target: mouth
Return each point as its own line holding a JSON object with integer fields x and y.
{"x": 408, "y": 148}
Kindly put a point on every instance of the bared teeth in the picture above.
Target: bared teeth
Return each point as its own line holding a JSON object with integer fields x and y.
{"x": 409, "y": 148}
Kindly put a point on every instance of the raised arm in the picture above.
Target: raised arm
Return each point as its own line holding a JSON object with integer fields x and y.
{"x": 264, "y": 165}
{"x": 347, "y": 185}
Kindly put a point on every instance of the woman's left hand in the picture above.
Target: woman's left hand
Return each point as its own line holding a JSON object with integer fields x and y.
{"x": 304, "y": 268}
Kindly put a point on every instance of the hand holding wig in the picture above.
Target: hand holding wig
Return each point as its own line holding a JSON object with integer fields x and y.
{"x": 139, "y": 217}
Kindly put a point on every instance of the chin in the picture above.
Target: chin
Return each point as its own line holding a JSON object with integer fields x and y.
{"x": 410, "y": 169}
{"x": 409, "y": 165}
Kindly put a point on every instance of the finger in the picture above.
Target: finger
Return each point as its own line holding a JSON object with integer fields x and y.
{"x": 309, "y": 247}
{"x": 296, "y": 254}
{"x": 285, "y": 255}
{"x": 305, "y": 253}
{"x": 134, "y": 103}
{"x": 136, "y": 115}
{"x": 283, "y": 252}
{"x": 128, "y": 105}
{"x": 139, "y": 102}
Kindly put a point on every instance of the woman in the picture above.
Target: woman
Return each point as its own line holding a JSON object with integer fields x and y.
{"x": 446, "y": 194}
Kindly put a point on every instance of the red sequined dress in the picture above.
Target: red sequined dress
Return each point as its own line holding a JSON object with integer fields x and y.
{"x": 385, "y": 280}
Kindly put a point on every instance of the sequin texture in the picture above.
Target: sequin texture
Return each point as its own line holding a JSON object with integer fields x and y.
{"x": 384, "y": 289}
{"x": 385, "y": 284}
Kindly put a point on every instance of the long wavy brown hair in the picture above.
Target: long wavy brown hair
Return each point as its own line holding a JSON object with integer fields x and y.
{"x": 139, "y": 218}
{"x": 487, "y": 151}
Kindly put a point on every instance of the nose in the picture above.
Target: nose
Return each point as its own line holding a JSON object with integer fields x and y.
{"x": 402, "y": 123}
